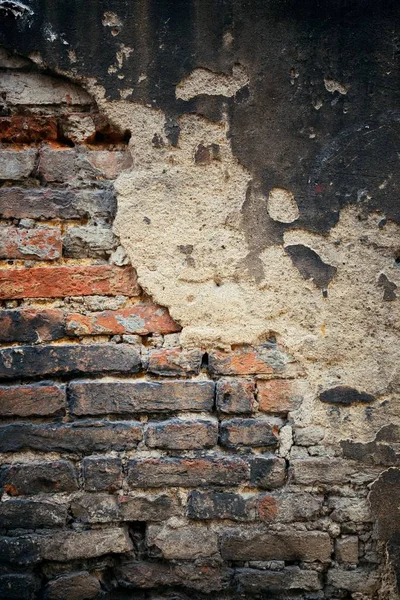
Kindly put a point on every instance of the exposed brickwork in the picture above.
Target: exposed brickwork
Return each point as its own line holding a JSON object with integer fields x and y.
{"x": 130, "y": 463}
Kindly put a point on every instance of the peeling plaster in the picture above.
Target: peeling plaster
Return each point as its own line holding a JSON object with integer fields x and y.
{"x": 168, "y": 201}
{"x": 202, "y": 81}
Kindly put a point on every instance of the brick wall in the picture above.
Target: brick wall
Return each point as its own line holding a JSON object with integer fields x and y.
{"x": 130, "y": 467}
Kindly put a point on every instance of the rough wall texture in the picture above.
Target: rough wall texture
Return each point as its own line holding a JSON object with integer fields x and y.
{"x": 199, "y": 248}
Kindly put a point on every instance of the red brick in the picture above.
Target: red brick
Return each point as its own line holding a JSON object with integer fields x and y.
{"x": 236, "y": 395}
{"x": 279, "y": 396}
{"x": 32, "y": 401}
{"x": 174, "y": 362}
{"x": 53, "y": 282}
{"x": 247, "y": 360}
{"x": 27, "y": 129}
{"x": 188, "y": 472}
{"x": 57, "y": 163}
{"x": 140, "y": 319}
{"x": 109, "y": 164}
{"x": 43, "y": 243}
{"x": 31, "y": 325}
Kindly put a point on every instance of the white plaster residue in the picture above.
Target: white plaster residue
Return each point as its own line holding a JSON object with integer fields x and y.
{"x": 203, "y": 81}
{"x": 332, "y": 86}
{"x": 282, "y": 206}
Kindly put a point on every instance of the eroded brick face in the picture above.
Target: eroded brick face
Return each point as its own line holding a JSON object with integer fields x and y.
{"x": 129, "y": 463}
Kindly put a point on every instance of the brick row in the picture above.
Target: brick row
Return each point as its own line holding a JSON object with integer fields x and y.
{"x": 58, "y": 282}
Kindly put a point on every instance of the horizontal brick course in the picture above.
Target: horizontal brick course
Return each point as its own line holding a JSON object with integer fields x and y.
{"x": 179, "y": 434}
{"x": 140, "y": 319}
{"x": 147, "y": 575}
{"x": 28, "y": 129}
{"x": 105, "y": 508}
{"x": 48, "y": 203}
{"x": 31, "y": 325}
{"x": 83, "y": 437}
{"x": 174, "y": 362}
{"x": 187, "y": 472}
{"x": 127, "y": 397}
{"x": 291, "y": 578}
{"x": 41, "y": 243}
{"x": 249, "y": 432}
{"x": 74, "y": 359}
{"x": 258, "y": 360}
{"x": 38, "y": 477}
{"x": 254, "y": 543}
{"x": 71, "y": 545}
{"x": 44, "y": 400}
{"x": 28, "y": 514}
{"x": 54, "y": 282}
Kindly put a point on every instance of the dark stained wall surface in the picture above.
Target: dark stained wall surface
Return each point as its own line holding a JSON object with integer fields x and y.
{"x": 320, "y": 115}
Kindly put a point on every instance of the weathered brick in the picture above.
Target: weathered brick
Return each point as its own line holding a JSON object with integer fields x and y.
{"x": 28, "y": 129}
{"x": 187, "y": 472}
{"x": 31, "y": 514}
{"x": 41, "y": 400}
{"x": 355, "y": 510}
{"x": 102, "y": 473}
{"x": 38, "y": 477}
{"x": 48, "y": 203}
{"x": 280, "y": 396}
{"x": 174, "y": 362}
{"x": 235, "y": 395}
{"x": 73, "y": 586}
{"x": 179, "y": 434}
{"x": 147, "y": 575}
{"x": 311, "y": 471}
{"x": 361, "y": 581}
{"x": 346, "y": 549}
{"x": 17, "y": 164}
{"x": 55, "y": 282}
{"x": 184, "y": 542}
{"x": 81, "y": 436}
{"x": 31, "y": 325}
{"x": 22, "y": 550}
{"x": 267, "y": 472}
{"x": 41, "y": 243}
{"x": 127, "y": 397}
{"x": 95, "y": 508}
{"x": 109, "y": 164}
{"x": 47, "y": 90}
{"x": 248, "y": 432}
{"x": 16, "y": 586}
{"x": 254, "y": 543}
{"x": 219, "y": 505}
{"x": 71, "y": 545}
{"x": 253, "y": 507}
{"x": 140, "y": 319}
{"x": 74, "y": 359}
{"x": 57, "y": 163}
{"x": 89, "y": 241}
{"x": 249, "y": 360}
{"x": 103, "y": 508}
{"x": 291, "y": 578}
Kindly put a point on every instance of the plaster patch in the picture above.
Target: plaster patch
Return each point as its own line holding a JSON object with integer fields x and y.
{"x": 168, "y": 202}
{"x": 203, "y": 81}
{"x": 282, "y": 206}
